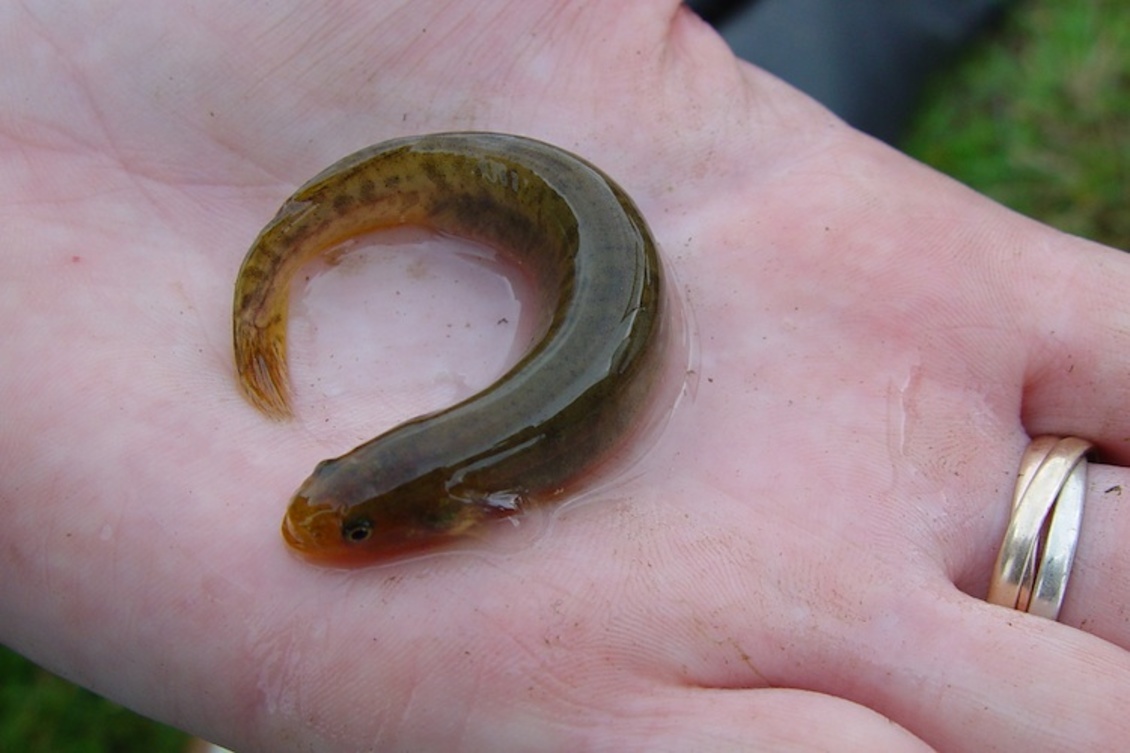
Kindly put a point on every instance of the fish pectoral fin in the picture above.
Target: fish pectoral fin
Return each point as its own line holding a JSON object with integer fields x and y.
{"x": 510, "y": 501}
{"x": 495, "y": 503}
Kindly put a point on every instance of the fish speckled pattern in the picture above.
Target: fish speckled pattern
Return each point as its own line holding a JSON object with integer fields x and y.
{"x": 520, "y": 441}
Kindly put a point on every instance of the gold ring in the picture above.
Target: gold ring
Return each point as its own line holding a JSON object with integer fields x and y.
{"x": 1047, "y": 509}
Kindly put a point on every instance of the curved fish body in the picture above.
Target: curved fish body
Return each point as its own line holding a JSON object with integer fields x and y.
{"x": 552, "y": 416}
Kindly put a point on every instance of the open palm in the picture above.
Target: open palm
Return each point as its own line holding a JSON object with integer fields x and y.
{"x": 801, "y": 558}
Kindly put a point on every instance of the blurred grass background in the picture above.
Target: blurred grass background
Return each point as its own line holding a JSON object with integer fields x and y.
{"x": 40, "y": 713}
{"x": 1036, "y": 116}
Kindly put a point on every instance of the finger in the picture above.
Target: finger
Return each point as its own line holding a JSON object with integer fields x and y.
{"x": 775, "y": 719}
{"x": 1078, "y": 375}
{"x": 1098, "y": 589}
{"x": 975, "y": 676}
{"x": 1077, "y": 382}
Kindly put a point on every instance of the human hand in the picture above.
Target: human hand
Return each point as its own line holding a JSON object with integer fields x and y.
{"x": 802, "y": 557}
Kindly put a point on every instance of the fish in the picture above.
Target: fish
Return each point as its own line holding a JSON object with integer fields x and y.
{"x": 570, "y": 399}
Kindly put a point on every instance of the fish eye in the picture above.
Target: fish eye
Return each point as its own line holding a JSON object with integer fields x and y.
{"x": 356, "y": 531}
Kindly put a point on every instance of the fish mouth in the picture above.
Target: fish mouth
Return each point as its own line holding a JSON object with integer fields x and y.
{"x": 312, "y": 529}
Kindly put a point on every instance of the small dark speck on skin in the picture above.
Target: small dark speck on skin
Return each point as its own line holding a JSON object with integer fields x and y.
{"x": 76, "y": 259}
{"x": 1116, "y": 489}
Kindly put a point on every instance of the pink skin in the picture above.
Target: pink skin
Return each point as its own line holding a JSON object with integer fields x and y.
{"x": 803, "y": 562}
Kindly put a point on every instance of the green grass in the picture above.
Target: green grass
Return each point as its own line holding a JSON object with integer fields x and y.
{"x": 40, "y": 713}
{"x": 1036, "y": 116}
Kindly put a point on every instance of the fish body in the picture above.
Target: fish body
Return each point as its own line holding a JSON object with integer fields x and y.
{"x": 577, "y": 391}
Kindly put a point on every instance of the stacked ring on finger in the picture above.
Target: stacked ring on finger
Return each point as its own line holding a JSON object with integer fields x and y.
{"x": 1035, "y": 558}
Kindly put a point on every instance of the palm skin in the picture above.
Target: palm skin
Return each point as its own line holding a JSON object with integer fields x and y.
{"x": 799, "y": 562}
